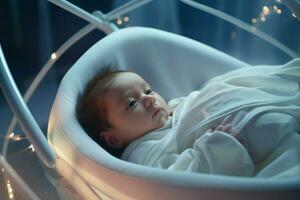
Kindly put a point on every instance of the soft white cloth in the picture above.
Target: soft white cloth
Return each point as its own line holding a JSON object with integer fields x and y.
{"x": 263, "y": 105}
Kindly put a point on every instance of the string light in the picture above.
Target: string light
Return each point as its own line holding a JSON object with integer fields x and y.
{"x": 278, "y": 11}
{"x": 293, "y": 14}
{"x": 11, "y": 135}
{"x": 17, "y": 138}
{"x": 119, "y": 21}
{"x": 14, "y": 137}
{"x": 53, "y": 56}
{"x": 126, "y": 19}
{"x": 266, "y": 11}
{"x": 32, "y": 148}
{"x": 10, "y": 190}
{"x": 122, "y": 20}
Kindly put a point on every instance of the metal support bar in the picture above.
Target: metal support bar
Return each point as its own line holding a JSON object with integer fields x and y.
{"x": 40, "y": 76}
{"x": 243, "y": 25}
{"x": 131, "y": 5}
{"x": 105, "y": 26}
{"x": 294, "y": 6}
{"x": 17, "y": 181}
{"x": 24, "y": 116}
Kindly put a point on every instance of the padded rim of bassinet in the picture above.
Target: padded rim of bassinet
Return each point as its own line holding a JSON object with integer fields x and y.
{"x": 134, "y": 47}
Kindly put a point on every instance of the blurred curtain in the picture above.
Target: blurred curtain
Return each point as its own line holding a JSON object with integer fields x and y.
{"x": 174, "y": 16}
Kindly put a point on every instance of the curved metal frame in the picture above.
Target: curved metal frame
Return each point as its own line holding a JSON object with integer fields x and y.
{"x": 294, "y": 6}
{"x": 102, "y": 22}
{"x": 247, "y": 27}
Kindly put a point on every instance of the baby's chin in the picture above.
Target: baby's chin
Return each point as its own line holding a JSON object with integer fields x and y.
{"x": 163, "y": 118}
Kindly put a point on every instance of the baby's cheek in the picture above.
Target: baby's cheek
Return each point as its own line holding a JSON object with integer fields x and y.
{"x": 163, "y": 118}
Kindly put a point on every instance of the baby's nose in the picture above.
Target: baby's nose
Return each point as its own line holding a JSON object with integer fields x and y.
{"x": 148, "y": 100}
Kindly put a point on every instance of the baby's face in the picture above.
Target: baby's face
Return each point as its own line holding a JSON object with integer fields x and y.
{"x": 133, "y": 109}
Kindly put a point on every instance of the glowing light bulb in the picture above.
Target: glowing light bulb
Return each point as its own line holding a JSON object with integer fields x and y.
{"x": 17, "y": 138}
{"x": 11, "y": 196}
{"x": 9, "y": 190}
{"x": 275, "y": 7}
{"x": 293, "y": 14}
{"x": 278, "y": 11}
{"x": 263, "y": 19}
{"x": 126, "y": 19}
{"x": 32, "y": 148}
{"x": 119, "y": 21}
{"x": 11, "y": 135}
{"x": 253, "y": 20}
{"x": 3, "y": 170}
{"x": 53, "y": 56}
{"x": 266, "y": 10}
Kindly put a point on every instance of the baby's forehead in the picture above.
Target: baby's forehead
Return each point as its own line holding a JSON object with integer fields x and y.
{"x": 128, "y": 80}
{"x": 126, "y": 84}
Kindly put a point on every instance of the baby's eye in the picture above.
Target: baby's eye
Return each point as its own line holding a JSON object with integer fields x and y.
{"x": 148, "y": 91}
{"x": 131, "y": 103}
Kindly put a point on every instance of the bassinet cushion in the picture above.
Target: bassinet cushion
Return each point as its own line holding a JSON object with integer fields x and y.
{"x": 174, "y": 66}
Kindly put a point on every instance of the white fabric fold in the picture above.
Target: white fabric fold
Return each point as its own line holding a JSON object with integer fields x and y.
{"x": 262, "y": 104}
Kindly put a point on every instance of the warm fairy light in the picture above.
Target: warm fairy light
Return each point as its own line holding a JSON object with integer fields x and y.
{"x": 278, "y": 1}
{"x": 11, "y": 135}
{"x": 278, "y": 11}
{"x": 32, "y": 148}
{"x": 17, "y": 138}
{"x": 126, "y": 19}
{"x": 53, "y": 56}
{"x": 10, "y": 190}
{"x": 122, "y": 20}
{"x": 3, "y": 170}
{"x": 293, "y": 14}
{"x": 266, "y": 10}
{"x": 11, "y": 196}
{"x": 119, "y": 21}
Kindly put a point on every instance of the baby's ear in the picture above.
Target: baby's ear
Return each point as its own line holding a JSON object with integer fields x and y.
{"x": 109, "y": 138}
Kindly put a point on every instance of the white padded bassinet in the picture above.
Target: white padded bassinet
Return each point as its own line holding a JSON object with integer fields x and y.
{"x": 174, "y": 66}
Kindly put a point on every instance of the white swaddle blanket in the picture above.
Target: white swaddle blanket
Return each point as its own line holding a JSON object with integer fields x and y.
{"x": 261, "y": 103}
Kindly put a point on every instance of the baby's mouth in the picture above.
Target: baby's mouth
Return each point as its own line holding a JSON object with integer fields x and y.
{"x": 156, "y": 112}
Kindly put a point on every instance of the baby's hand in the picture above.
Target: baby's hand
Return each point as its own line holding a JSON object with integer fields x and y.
{"x": 227, "y": 128}
{"x": 224, "y": 128}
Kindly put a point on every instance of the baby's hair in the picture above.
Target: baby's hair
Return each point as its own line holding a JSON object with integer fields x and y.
{"x": 92, "y": 118}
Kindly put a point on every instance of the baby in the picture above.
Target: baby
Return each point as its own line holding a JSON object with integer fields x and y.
{"x": 118, "y": 107}
{"x": 243, "y": 123}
